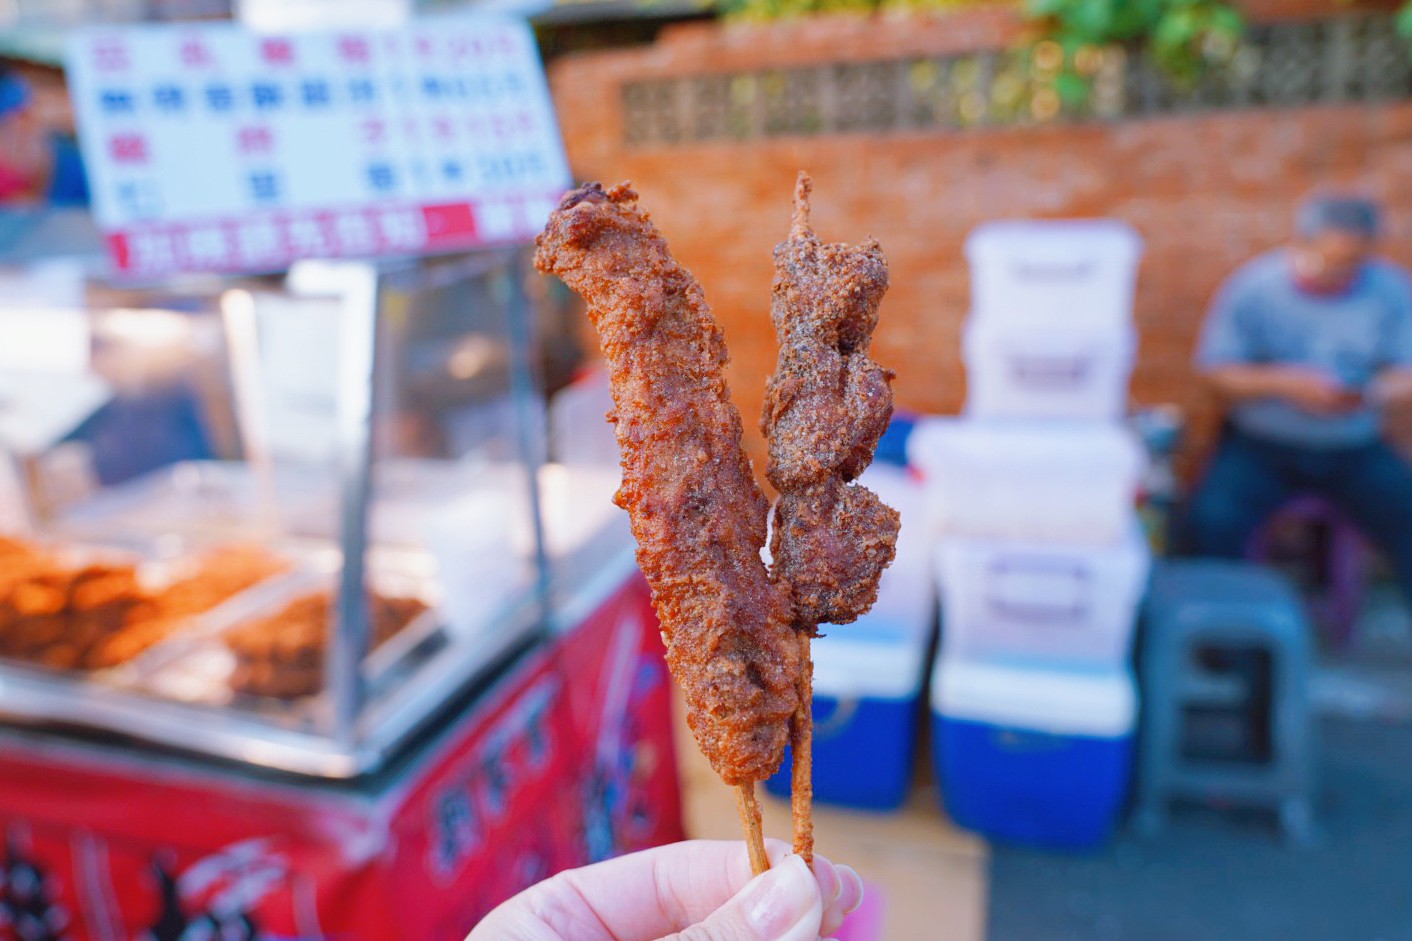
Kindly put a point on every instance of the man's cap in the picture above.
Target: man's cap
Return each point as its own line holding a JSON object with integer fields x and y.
{"x": 1337, "y": 212}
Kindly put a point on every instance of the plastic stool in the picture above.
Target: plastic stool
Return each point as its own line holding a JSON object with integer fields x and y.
{"x": 1345, "y": 565}
{"x": 1238, "y": 610}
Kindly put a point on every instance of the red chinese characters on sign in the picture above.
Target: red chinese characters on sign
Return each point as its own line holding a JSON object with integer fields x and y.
{"x": 253, "y": 243}
{"x": 313, "y": 138}
{"x": 194, "y": 54}
{"x": 110, "y": 55}
{"x": 128, "y": 148}
{"x": 354, "y": 49}
{"x": 277, "y": 52}
{"x": 255, "y": 139}
{"x": 373, "y": 131}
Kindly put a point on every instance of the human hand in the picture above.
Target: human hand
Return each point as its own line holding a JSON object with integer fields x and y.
{"x": 1314, "y": 390}
{"x": 693, "y": 891}
{"x": 1392, "y": 388}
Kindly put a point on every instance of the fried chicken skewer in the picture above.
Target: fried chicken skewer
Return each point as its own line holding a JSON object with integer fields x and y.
{"x": 697, "y": 513}
{"x": 826, "y": 406}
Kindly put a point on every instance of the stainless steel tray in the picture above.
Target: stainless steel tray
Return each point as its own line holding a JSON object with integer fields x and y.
{"x": 197, "y": 666}
{"x": 409, "y": 679}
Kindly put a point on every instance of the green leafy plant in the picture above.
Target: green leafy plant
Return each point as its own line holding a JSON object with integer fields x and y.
{"x": 1404, "y": 21}
{"x": 1184, "y": 38}
{"x": 765, "y": 10}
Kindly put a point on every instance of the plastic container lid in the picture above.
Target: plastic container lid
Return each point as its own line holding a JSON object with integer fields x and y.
{"x": 1056, "y": 241}
{"x": 981, "y": 337}
{"x": 1099, "y": 704}
{"x": 874, "y": 659}
{"x": 936, "y": 443}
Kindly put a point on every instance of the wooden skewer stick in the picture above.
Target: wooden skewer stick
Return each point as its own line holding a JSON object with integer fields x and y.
{"x": 801, "y": 745}
{"x": 749, "y": 808}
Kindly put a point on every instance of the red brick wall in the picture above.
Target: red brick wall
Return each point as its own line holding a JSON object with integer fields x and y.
{"x": 1206, "y": 192}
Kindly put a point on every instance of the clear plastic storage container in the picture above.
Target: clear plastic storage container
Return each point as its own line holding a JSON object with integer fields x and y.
{"x": 1071, "y": 372}
{"x": 1045, "y": 602}
{"x": 1075, "y": 483}
{"x": 1056, "y": 271}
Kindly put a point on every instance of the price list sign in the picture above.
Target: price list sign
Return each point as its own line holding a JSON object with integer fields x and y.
{"x": 212, "y": 148}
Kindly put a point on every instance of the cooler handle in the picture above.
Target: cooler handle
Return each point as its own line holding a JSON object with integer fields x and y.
{"x": 1050, "y": 372}
{"x": 837, "y": 720}
{"x": 1069, "y": 610}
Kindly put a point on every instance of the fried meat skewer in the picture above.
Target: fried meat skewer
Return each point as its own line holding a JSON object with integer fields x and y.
{"x": 826, "y": 406}
{"x": 697, "y": 513}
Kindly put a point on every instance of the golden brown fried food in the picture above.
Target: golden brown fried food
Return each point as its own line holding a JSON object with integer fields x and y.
{"x": 95, "y": 616}
{"x": 55, "y": 614}
{"x": 831, "y": 542}
{"x": 696, "y": 510}
{"x": 825, "y": 408}
{"x": 220, "y": 574}
{"x": 282, "y": 656}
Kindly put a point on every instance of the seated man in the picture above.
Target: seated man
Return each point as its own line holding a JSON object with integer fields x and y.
{"x": 1306, "y": 345}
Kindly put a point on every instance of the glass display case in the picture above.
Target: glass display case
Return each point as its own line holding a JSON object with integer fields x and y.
{"x": 289, "y": 521}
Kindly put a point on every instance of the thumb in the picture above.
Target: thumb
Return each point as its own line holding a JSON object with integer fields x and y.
{"x": 783, "y": 904}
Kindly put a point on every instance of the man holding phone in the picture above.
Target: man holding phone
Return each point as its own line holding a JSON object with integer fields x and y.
{"x": 1308, "y": 345}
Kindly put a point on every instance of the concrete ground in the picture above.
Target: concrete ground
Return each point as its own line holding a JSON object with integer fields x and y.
{"x": 1224, "y": 875}
{"x": 1215, "y": 875}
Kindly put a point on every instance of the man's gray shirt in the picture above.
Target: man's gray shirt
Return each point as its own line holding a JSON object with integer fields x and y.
{"x": 1260, "y": 317}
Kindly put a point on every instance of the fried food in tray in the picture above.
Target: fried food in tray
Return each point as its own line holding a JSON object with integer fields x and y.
{"x": 281, "y": 655}
{"x": 87, "y": 616}
{"x": 219, "y": 575}
{"x": 58, "y": 616}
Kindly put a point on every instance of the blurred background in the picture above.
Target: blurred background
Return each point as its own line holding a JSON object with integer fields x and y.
{"x": 1142, "y": 669}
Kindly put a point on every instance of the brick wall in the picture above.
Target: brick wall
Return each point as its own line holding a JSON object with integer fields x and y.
{"x": 1207, "y": 191}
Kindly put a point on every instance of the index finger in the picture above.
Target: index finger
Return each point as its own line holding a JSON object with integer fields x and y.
{"x": 660, "y": 891}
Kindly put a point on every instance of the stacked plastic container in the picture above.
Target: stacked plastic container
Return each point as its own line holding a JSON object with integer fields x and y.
{"x": 1038, "y": 556}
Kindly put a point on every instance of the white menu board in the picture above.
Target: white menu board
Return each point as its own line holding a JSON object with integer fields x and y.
{"x": 213, "y": 148}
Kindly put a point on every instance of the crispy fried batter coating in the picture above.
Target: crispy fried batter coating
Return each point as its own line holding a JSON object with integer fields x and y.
{"x": 697, "y": 513}
{"x": 831, "y": 542}
{"x": 825, "y": 408}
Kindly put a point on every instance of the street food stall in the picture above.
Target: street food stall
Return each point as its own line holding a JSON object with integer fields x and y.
{"x": 315, "y": 617}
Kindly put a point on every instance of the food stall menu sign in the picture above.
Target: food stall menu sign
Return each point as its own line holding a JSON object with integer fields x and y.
{"x": 213, "y": 148}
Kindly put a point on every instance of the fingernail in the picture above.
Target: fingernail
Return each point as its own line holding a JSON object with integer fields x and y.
{"x": 830, "y": 882}
{"x": 781, "y": 897}
{"x": 853, "y": 888}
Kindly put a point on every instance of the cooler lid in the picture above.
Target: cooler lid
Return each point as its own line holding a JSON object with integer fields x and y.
{"x": 937, "y": 442}
{"x": 872, "y": 659}
{"x": 1099, "y": 703}
{"x": 980, "y": 336}
{"x": 1054, "y": 241}
{"x": 1131, "y": 555}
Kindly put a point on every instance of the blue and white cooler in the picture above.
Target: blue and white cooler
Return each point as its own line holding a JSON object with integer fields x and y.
{"x": 870, "y": 676}
{"x": 1033, "y": 755}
